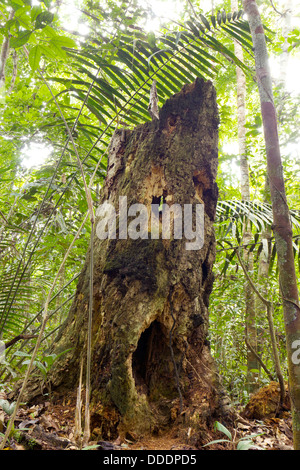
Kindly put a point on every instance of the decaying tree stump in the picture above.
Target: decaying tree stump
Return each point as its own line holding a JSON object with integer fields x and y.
{"x": 151, "y": 363}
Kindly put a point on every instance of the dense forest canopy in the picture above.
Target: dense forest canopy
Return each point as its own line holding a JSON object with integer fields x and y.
{"x": 70, "y": 74}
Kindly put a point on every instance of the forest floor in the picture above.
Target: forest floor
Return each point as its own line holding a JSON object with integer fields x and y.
{"x": 49, "y": 426}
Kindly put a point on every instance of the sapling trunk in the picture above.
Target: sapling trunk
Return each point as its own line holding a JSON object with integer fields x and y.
{"x": 281, "y": 217}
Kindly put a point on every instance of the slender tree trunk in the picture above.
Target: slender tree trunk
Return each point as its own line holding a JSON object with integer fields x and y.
{"x": 281, "y": 217}
{"x": 3, "y": 58}
{"x": 262, "y": 277}
{"x": 263, "y": 270}
{"x": 250, "y": 314}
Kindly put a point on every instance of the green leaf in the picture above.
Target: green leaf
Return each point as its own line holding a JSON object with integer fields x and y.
{"x": 178, "y": 35}
{"x": 21, "y": 354}
{"x": 151, "y": 39}
{"x": 43, "y": 19}
{"x": 220, "y": 427}
{"x": 47, "y": 51}
{"x": 158, "y": 52}
{"x": 21, "y": 39}
{"x": 193, "y": 28}
{"x": 204, "y": 21}
{"x": 56, "y": 49}
{"x": 224, "y": 16}
{"x": 238, "y": 36}
{"x": 49, "y": 31}
{"x": 246, "y": 445}
{"x": 217, "y": 441}
{"x": 41, "y": 367}
{"x": 63, "y": 41}
{"x": 16, "y": 4}
{"x": 34, "y": 57}
{"x": 91, "y": 447}
{"x": 7, "y": 407}
{"x": 22, "y": 17}
{"x": 35, "y": 11}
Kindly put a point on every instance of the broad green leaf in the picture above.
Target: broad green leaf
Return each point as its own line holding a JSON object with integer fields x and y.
{"x": 21, "y": 39}
{"x": 49, "y": 31}
{"x": 16, "y": 4}
{"x": 220, "y": 427}
{"x": 22, "y": 18}
{"x": 63, "y": 41}
{"x": 246, "y": 445}
{"x": 35, "y": 11}
{"x": 7, "y": 407}
{"x": 35, "y": 54}
{"x": 56, "y": 49}
{"x": 43, "y": 19}
{"x": 217, "y": 441}
{"x": 40, "y": 366}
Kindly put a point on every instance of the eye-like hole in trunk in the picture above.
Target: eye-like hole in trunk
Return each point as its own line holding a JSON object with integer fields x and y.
{"x": 160, "y": 200}
{"x": 157, "y": 200}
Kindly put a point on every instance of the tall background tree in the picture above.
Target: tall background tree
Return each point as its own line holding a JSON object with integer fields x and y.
{"x": 282, "y": 226}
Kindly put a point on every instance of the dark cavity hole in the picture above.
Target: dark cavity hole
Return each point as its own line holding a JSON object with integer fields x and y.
{"x": 204, "y": 272}
{"x": 172, "y": 121}
{"x": 159, "y": 200}
{"x": 148, "y": 354}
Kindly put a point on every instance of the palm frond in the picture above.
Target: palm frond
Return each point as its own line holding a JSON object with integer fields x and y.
{"x": 231, "y": 218}
{"x": 173, "y": 59}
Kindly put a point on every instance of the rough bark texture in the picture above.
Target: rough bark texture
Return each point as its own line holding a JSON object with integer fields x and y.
{"x": 150, "y": 354}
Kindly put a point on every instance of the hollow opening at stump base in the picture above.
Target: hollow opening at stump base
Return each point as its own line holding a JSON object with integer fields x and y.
{"x": 152, "y": 365}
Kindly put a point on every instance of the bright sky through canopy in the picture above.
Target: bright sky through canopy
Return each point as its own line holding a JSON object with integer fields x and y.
{"x": 35, "y": 155}
{"x": 164, "y": 11}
